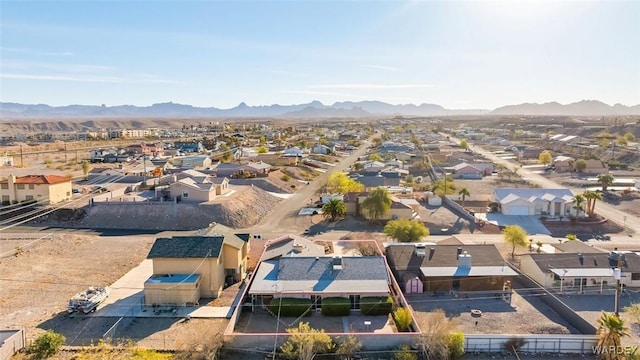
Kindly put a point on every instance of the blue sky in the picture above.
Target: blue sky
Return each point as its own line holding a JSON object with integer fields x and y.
{"x": 204, "y": 53}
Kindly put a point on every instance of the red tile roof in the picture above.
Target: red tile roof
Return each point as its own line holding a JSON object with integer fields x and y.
{"x": 40, "y": 179}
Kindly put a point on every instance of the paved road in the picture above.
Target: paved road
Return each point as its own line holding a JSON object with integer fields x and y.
{"x": 630, "y": 221}
{"x": 282, "y": 219}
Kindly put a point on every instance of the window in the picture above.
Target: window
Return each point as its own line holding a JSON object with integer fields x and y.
{"x": 20, "y": 186}
{"x": 68, "y": 193}
{"x": 4, "y": 186}
{"x": 185, "y": 194}
{"x": 5, "y": 199}
{"x": 29, "y": 197}
{"x": 31, "y": 187}
{"x": 634, "y": 276}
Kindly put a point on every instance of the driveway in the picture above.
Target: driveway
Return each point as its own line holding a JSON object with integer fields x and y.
{"x": 531, "y": 224}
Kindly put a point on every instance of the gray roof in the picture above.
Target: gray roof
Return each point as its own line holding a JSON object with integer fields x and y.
{"x": 319, "y": 275}
{"x": 546, "y": 262}
{"x": 404, "y": 257}
{"x": 577, "y": 246}
{"x": 186, "y": 247}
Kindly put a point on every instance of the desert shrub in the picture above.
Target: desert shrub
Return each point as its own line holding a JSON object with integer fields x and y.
{"x": 290, "y": 306}
{"x": 514, "y": 344}
{"x": 403, "y": 318}
{"x": 376, "y": 305}
{"x": 456, "y": 345}
{"x": 336, "y": 306}
{"x": 47, "y": 344}
{"x": 404, "y": 352}
{"x": 285, "y": 177}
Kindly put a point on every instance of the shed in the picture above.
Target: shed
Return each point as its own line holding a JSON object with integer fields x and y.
{"x": 175, "y": 289}
{"x": 412, "y": 284}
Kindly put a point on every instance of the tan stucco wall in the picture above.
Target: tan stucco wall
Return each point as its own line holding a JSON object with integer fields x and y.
{"x": 178, "y": 189}
{"x": 235, "y": 259}
{"x": 168, "y": 293}
{"x": 55, "y": 192}
{"x": 211, "y": 272}
{"x": 529, "y": 267}
{"x": 404, "y": 213}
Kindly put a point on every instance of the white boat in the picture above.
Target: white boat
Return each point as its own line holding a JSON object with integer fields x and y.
{"x": 88, "y": 300}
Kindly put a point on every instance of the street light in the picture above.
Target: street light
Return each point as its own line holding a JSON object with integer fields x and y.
{"x": 617, "y": 274}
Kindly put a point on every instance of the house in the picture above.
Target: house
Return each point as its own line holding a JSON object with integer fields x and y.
{"x": 44, "y": 189}
{"x": 195, "y": 162}
{"x": 322, "y": 149}
{"x": 399, "y": 210}
{"x": 448, "y": 267}
{"x": 319, "y": 277}
{"x": 187, "y": 268}
{"x": 595, "y": 166}
{"x": 582, "y": 271}
{"x": 192, "y": 185}
{"x": 563, "y": 163}
{"x": 466, "y": 171}
{"x": 547, "y": 202}
{"x": 293, "y": 152}
{"x": 189, "y": 146}
{"x": 6, "y": 160}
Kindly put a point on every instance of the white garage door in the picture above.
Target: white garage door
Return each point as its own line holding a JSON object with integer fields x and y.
{"x": 518, "y": 210}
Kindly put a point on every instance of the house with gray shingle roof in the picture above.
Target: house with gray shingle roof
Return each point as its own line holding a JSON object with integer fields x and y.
{"x": 582, "y": 271}
{"x": 448, "y": 267}
{"x": 319, "y": 277}
{"x": 219, "y": 259}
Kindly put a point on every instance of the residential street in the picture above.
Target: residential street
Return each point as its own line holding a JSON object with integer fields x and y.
{"x": 284, "y": 218}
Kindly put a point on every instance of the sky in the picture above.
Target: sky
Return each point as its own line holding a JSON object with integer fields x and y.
{"x": 458, "y": 54}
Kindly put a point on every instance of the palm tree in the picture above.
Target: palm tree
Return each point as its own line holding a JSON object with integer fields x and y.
{"x": 464, "y": 192}
{"x": 334, "y": 209}
{"x": 605, "y": 180}
{"x": 578, "y": 203}
{"x": 611, "y": 330}
{"x": 377, "y": 203}
{"x": 591, "y": 197}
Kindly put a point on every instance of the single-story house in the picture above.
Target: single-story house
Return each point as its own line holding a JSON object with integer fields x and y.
{"x": 595, "y": 166}
{"x": 191, "y": 185}
{"x": 293, "y": 152}
{"x": 563, "y": 163}
{"x": 187, "y": 268}
{"x": 195, "y": 161}
{"x": 314, "y": 278}
{"x": 445, "y": 268}
{"x": 466, "y": 171}
{"x": 581, "y": 271}
{"x": 322, "y": 149}
{"x": 547, "y": 202}
{"x": 291, "y": 245}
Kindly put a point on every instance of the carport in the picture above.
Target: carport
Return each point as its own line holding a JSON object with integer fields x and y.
{"x": 531, "y": 224}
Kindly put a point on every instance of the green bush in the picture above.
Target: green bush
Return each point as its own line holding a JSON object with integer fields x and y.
{"x": 336, "y": 306}
{"x": 47, "y": 344}
{"x": 404, "y": 352}
{"x": 376, "y": 305}
{"x": 290, "y": 306}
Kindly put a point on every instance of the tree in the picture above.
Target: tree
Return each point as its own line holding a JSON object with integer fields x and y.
{"x": 377, "y": 204}
{"x": 404, "y": 352}
{"x": 375, "y": 157}
{"x": 405, "y": 230}
{"x": 464, "y": 193}
{"x": 611, "y": 330}
{"x": 263, "y": 139}
{"x": 225, "y": 153}
{"x": 305, "y": 342}
{"x": 262, "y": 150}
{"x": 633, "y": 311}
{"x": 464, "y": 144}
{"x": 604, "y": 143}
{"x": 621, "y": 140}
{"x": 348, "y": 348}
{"x": 85, "y": 169}
{"x": 47, "y": 344}
{"x": 340, "y": 183}
{"x": 591, "y": 197}
{"x": 629, "y": 136}
{"x": 605, "y": 180}
{"x": 334, "y": 209}
{"x": 578, "y": 203}
{"x": 545, "y": 157}
{"x": 358, "y": 166}
{"x": 436, "y": 335}
{"x": 580, "y": 165}
{"x": 403, "y": 318}
{"x": 444, "y": 186}
{"x": 376, "y": 141}
{"x": 409, "y": 180}
{"x": 514, "y": 235}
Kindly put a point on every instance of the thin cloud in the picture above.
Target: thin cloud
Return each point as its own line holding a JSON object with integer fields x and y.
{"x": 370, "y": 86}
{"x": 381, "y": 67}
{"x": 87, "y": 78}
{"x": 319, "y": 93}
{"x": 36, "y": 52}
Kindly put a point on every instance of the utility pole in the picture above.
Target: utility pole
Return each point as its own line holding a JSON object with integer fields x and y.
{"x": 21, "y": 160}
{"x": 617, "y": 274}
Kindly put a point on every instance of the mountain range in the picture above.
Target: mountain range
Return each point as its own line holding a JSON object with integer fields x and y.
{"x": 314, "y": 109}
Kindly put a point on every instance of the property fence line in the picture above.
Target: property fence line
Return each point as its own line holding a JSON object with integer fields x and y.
{"x": 552, "y": 343}
{"x": 35, "y": 238}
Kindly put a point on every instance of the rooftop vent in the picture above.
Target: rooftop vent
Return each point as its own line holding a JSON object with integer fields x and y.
{"x": 464, "y": 260}
{"x": 337, "y": 263}
{"x": 420, "y": 250}
{"x": 459, "y": 252}
{"x": 581, "y": 259}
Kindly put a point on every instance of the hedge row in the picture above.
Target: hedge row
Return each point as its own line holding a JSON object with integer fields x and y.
{"x": 336, "y": 306}
{"x": 376, "y": 305}
{"x": 290, "y": 306}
